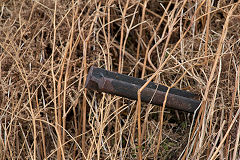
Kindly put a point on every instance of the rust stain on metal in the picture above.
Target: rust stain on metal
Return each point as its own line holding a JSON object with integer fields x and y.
{"x": 122, "y": 85}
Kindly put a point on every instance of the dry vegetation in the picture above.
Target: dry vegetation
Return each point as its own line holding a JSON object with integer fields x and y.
{"x": 46, "y": 48}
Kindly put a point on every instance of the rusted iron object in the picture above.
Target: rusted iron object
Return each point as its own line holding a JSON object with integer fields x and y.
{"x": 101, "y": 80}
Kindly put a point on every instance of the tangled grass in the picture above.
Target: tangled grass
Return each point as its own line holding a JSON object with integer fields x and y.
{"x": 46, "y": 48}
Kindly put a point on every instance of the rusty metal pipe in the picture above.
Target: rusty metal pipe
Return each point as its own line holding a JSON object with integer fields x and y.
{"x": 114, "y": 83}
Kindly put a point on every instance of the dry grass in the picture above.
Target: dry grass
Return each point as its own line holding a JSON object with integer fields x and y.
{"x": 46, "y": 48}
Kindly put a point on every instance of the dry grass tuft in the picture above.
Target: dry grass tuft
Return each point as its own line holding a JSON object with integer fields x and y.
{"x": 46, "y": 48}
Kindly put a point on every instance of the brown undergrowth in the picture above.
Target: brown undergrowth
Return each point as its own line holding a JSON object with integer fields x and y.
{"x": 46, "y": 48}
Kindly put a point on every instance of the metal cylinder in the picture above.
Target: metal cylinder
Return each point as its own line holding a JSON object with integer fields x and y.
{"x": 114, "y": 83}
